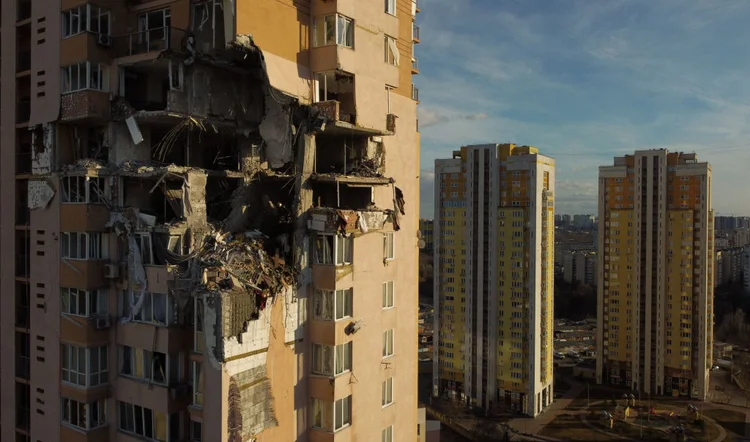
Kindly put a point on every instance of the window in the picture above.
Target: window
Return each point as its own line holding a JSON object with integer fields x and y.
{"x": 333, "y": 29}
{"x": 84, "y": 18}
{"x": 151, "y": 366}
{"x": 332, "y": 416}
{"x": 391, "y": 51}
{"x": 85, "y": 75}
{"x": 143, "y": 240}
{"x": 85, "y": 367}
{"x": 144, "y": 422}
{"x": 332, "y": 306}
{"x": 196, "y": 431}
{"x": 85, "y": 303}
{"x": 156, "y": 308}
{"x": 387, "y": 393}
{"x": 388, "y": 343}
{"x": 176, "y": 76}
{"x": 332, "y": 361}
{"x": 82, "y": 189}
{"x": 82, "y": 415}
{"x": 390, "y": 7}
{"x": 330, "y": 249}
{"x": 83, "y": 245}
{"x": 387, "y": 434}
{"x": 388, "y": 294}
{"x": 388, "y": 245}
{"x": 200, "y": 341}
{"x": 154, "y": 27}
{"x": 196, "y": 380}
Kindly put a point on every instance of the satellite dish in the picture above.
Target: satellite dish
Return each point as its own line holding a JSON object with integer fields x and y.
{"x": 421, "y": 244}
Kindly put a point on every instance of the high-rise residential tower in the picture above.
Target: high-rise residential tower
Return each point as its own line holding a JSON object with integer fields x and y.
{"x": 209, "y": 220}
{"x": 655, "y": 293}
{"x": 494, "y": 276}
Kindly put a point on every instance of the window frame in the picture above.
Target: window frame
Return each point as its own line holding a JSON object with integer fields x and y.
{"x": 386, "y": 393}
{"x": 193, "y": 436}
{"x": 390, "y": 7}
{"x": 125, "y": 408}
{"x": 84, "y": 193}
{"x": 66, "y": 415}
{"x": 389, "y": 292}
{"x": 88, "y": 14}
{"x": 196, "y": 371}
{"x": 391, "y": 55}
{"x": 345, "y": 296}
{"x": 147, "y": 369}
{"x": 73, "y": 240}
{"x": 73, "y": 353}
{"x": 83, "y": 77}
{"x": 321, "y": 354}
{"x": 333, "y": 416}
{"x": 338, "y": 37}
{"x": 389, "y": 246}
{"x": 387, "y": 433}
{"x": 96, "y": 302}
{"x": 388, "y": 343}
{"x": 131, "y": 298}
{"x": 333, "y": 249}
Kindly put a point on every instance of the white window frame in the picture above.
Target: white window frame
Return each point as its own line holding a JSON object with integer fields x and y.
{"x": 147, "y": 367}
{"x": 391, "y": 54}
{"x": 389, "y": 246}
{"x": 331, "y": 416}
{"x": 73, "y": 373}
{"x": 147, "y": 256}
{"x": 85, "y": 75}
{"x": 85, "y": 416}
{"x": 390, "y": 7}
{"x": 329, "y": 305}
{"x": 129, "y": 411}
{"x": 332, "y": 361}
{"x": 342, "y": 413}
{"x": 386, "y": 394}
{"x": 95, "y": 302}
{"x": 388, "y": 294}
{"x": 341, "y": 24}
{"x": 197, "y": 382}
{"x": 387, "y": 434}
{"x": 333, "y": 249}
{"x": 80, "y": 190}
{"x": 388, "y": 343}
{"x": 199, "y": 343}
{"x": 94, "y": 245}
{"x": 87, "y": 11}
{"x": 147, "y": 316}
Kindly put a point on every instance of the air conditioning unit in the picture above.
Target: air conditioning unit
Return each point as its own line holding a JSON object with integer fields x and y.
{"x": 111, "y": 271}
{"x": 101, "y": 322}
{"x": 180, "y": 391}
{"x": 104, "y": 40}
{"x": 390, "y": 122}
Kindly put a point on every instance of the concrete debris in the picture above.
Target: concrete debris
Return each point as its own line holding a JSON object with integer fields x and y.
{"x": 40, "y": 193}
{"x": 135, "y": 131}
{"x": 366, "y": 168}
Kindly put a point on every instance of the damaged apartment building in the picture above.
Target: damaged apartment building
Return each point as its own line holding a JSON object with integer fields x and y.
{"x": 216, "y": 226}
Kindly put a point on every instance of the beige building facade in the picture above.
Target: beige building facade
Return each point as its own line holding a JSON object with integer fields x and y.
{"x": 212, "y": 212}
{"x": 656, "y": 258}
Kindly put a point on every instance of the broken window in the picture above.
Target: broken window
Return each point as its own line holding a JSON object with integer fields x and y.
{"x": 156, "y": 308}
{"x": 391, "y": 51}
{"x": 154, "y": 29}
{"x": 333, "y": 249}
{"x": 342, "y": 195}
{"x": 144, "y": 245}
{"x": 154, "y": 367}
{"x": 208, "y": 25}
{"x": 146, "y": 423}
{"x": 196, "y": 380}
{"x": 332, "y": 306}
{"x": 81, "y": 189}
{"x": 388, "y": 246}
{"x": 332, "y": 361}
{"x": 176, "y": 75}
{"x": 333, "y": 29}
{"x": 83, "y": 245}
{"x": 84, "y": 303}
{"x": 84, "y": 18}
{"x": 199, "y": 344}
{"x": 84, "y": 415}
{"x": 85, "y": 75}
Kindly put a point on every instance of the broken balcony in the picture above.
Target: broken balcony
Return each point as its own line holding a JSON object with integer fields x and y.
{"x": 349, "y": 155}
{"x": 145, "y": 86}
{"x": 335, "y": 98}
{"x": 150, "y": 42}
{"x": 346, "y": 192}
{"x": 88, "y": 105}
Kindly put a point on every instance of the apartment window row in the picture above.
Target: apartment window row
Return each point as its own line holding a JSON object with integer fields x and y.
{"x": 85, "y": 75}
{"x": 84, "y": 245}
{"x": 82, "y": 189}
{"x": 85, "y": 416}
{"x": 149, "y": 424}
{"x": 332, "y": 361}
{"x": 332, "y": 416}
{"x": 154, "y": 308}
{"x": 85, "y": 18}
{"x": 85, "y": 367}
{"x": 152, "y": 366}
{"x": 85, "y": 303}
{"x": 333, "y": 306}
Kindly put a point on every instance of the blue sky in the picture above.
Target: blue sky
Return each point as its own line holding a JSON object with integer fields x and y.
{"x": 586, "y": 80}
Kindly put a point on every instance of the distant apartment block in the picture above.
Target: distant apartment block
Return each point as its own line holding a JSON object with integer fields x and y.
{"x": 656, "y": 258}
{"x": 730, "y": 265}
{"x": 579, "y": 267}
{"x": 425, "y": 229}
{"x": 724, "y": 223}
{"x": 494, "y": 277}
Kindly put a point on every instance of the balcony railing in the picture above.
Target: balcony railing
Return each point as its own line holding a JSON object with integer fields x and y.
{"x": 414, "y": 93}
{"x": 414, "y": 64}
{"x": 415, "y": 32}
{"x": 23, "y": 111}
{"x": 152, "y": 40}
{"x": 22, "y": 367}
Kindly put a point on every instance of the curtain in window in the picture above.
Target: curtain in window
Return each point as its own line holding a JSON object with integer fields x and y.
{"x": 330, "y": 29}
{"x": 328, "y": 359}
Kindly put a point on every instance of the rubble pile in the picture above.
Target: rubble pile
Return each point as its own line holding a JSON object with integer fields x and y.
{"x": 366, "y": 168}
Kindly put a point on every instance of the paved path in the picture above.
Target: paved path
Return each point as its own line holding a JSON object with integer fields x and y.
{"x": 534, "y": 426}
